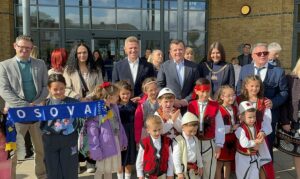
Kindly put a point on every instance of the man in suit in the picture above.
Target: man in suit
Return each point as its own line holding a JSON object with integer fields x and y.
{"x": 178, "y": 74}
{"x": 23, "y": 83}
{"x": 132, "y": 68}
{"x": 246, "y": 57}
{"x": 274, "y": 81}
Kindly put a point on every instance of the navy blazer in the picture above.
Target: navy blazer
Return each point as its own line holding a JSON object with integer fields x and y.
{"x": 121, "y": 71}
{"x": 275, "y": 86}
{"x": 225, "y": 77}
{"x": 167, "y": 77}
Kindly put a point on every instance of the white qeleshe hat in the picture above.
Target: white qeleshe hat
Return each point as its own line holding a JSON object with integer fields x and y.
{"x": 188, "y": 117}
{"x": 165, "y": 91}
{"x": 245, "y": 106}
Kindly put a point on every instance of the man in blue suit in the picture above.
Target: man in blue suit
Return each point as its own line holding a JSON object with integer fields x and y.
{"x": 274, "y": 80}
{"x": 132, "y": 68}
{"x": 178, "y": 74}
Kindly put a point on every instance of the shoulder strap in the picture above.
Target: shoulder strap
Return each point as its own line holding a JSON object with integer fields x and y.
{"x": 86, "y": 89}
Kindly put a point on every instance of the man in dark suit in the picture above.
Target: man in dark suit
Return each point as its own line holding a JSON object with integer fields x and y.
{"x": 274, "y": 80}
{"x": 246, "y": 57}
{"x": 132, "y": 68}
{"x": 178, "y": 74}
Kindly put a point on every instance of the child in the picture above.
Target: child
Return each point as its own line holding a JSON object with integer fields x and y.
{"x": 226, "y": 99}
{"x": 186, "y": 152}
{"x": 170, "y": 116}
{"x": 252, "y": 151}
{"x": 252, "y": 91}
{"x": 106, "y": 134}
{"x": 147, "y": 106}
{"x": 60, "y": 135}
{"x": 127, "y": 111}
{"x": 154, "y": 158}
{"x": 211, "y": 132}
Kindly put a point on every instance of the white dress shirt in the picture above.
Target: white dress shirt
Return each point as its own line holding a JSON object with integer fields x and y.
{"x": 140, "y": 158}
{"x": 263, "y": 72}
{"x": 134, "y": 68}
{"x": 169, "y": 126}
{"x": 192, "y": 156}
{"x": 220, "y": 128}
{"x": 180, "y": 71}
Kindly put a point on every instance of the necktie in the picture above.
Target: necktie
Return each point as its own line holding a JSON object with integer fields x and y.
{"x": 258, "y": 71}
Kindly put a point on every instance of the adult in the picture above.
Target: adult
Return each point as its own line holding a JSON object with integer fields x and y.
{"x": 132, "y": 68}
{"x": 216, "y": 69}
{"x": 99, "y": 61}
{"x": 81, "y": 73}
{"x": 274, "y": 81}
{"x": 23, "y": 83}
{"x": 148, "y": 52}
{"x": 237, "y": 69}
{"x": 189, "y": 54}
{"x": 291, "y": 109}
{"x": 178, "y": 74}
{"x": 156, "y": 58}
{"x": 245, "y": 58}
{"x": 58, "y": 60}
{"x": 108, "y": 65}
{"x": 274, "y": 49}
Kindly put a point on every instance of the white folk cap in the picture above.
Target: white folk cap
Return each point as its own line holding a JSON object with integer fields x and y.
{"x": 165, "y": 91}
{"x": 245, "y": 106}
{"x": 188, "y": 117}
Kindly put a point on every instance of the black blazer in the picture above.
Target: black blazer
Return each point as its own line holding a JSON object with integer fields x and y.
{"x": 225, "y": 77}
{"x": 167, "y": 77}
{"x": 121, "y": 71}
{"x": 241, "y": 58}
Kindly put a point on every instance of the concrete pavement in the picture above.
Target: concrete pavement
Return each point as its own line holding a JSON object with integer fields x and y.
{"x": 283, "y": 165}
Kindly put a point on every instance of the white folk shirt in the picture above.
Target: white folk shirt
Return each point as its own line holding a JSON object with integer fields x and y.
{"x": 220, "y": 128}
{"x": 191, "y": 153}
{"x": 134, "y": 68}
{"x": 266, "y": 125}
{"x": 169, "y": 125}
{"x": 243, "y": 140}
{"x": 140, "y": 158}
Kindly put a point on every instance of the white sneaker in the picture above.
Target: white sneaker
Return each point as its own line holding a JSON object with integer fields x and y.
{"x": 90, "y": 167}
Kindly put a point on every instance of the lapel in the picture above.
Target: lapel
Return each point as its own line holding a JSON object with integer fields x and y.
{"x": 34, "y": 72}
{"x": 140, "y": 70}
{"x": 187, "y": 71}
{"x": 17, "y": 71}
{"x": 269, "y": 73}
{"x": 127, "y": 71}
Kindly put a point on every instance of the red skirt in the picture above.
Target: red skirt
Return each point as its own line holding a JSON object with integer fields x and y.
{"x": 229, "y": 148}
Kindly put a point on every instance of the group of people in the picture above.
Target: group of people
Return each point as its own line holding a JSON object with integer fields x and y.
{"x": 172, "y": 118}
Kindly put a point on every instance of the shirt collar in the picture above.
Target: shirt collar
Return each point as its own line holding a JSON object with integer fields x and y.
{"x": 24, "y": 61}
{"x": 180, "y": 63}
{"x": 133, "y": 63}
{"x": 265, "y": 66}
{"x": 185, "y": 136}
{"x": 156, "y": 140}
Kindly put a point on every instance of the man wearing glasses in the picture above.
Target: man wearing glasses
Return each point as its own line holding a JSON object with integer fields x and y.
{"x": 23, "y": 82}
{"x": 274, "y": 82}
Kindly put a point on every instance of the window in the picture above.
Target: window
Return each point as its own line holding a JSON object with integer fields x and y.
{"x": 128, "y": 19}
{"x": 103, "y": 18}
{"x": 48, "y": 17}
{"x": 77, "y": 17}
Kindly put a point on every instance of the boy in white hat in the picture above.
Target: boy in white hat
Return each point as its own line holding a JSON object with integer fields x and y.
{"x": 252, "y": 151}
{"x": 169, "y": 115}
{"x": 186, "y": 153}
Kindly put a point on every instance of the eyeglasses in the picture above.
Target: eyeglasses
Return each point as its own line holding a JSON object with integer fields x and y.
{"x": 22, "y": 47}
{"x": 262, "y": 53}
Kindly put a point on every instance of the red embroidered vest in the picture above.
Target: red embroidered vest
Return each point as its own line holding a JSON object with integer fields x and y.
{"x": 226, "y": 115}
{"x": 248, "y": 151}
{"x": 209, "y": 118}
{"x": 154, "y": 166}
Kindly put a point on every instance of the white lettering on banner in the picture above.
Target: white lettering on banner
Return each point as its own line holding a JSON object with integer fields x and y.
{"x": 70, "y": 110}
{"x": 21, "y": 114}
{"x": 37, "y": 113}
{"x": 87, "y": 109}
{"x": 53, "y": 112}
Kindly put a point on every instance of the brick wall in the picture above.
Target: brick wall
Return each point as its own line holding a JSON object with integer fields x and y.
{"x": 6, "y": 29}
{"x": 269, "y": 21}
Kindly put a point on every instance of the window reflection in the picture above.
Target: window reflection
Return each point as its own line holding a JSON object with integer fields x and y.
{"x": 151, "y": 20}
{"x": 196, "y": 5}
{"x": 103, "y": 3}
{"x": 49, "y": 40}
{"x": 77, "y": 2}
{"x": 125, "y": 19}
{"x": 48, "y": 2}
{"x": 77, "y": 17}
{"x": 129, "y": 3}
{"x": 103, "y": 18}
{"x": 196, "y": 40}
{"x": 173, "y": 20}
{"x": 197, "y": 20}
{"x": 33, "y": 16}
{"x": 48, "y": 17}
{"x": 151, "y": 4}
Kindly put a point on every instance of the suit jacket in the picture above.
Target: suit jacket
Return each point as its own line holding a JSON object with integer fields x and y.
{"x": 225, "y": 77}
{"x": 11, "y": 88}
{"x": 74, "y": 86}
{"x": 275, "y": 86}
{"x": 122, "y": 71}
{"x": 241, "y": 59}
{"x": 167, "y": 77}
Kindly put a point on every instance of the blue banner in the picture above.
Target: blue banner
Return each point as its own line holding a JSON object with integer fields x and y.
{"x": 51, "y": 112}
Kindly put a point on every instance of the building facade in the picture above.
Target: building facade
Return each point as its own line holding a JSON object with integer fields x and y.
{"x": 104, "y": 24}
